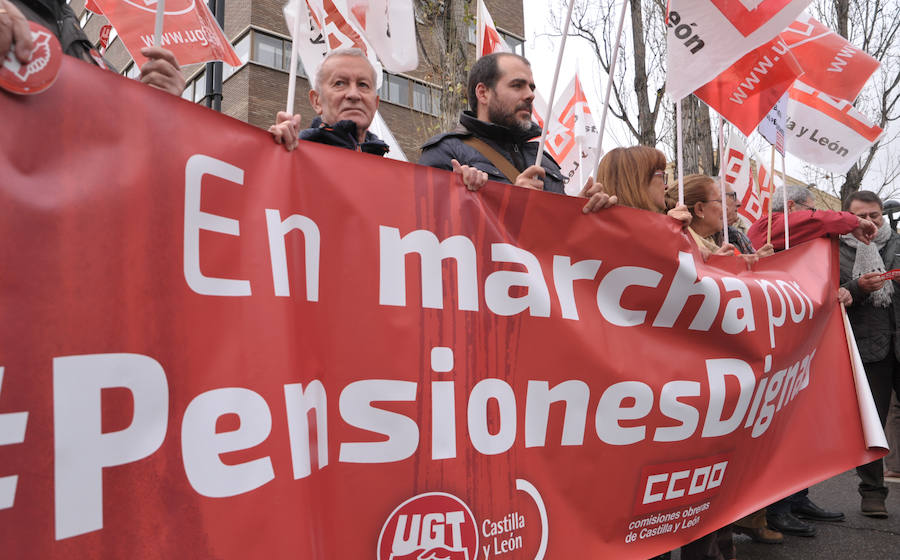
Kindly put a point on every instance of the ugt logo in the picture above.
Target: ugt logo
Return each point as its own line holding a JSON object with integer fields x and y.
{"x": 430, "y": 526}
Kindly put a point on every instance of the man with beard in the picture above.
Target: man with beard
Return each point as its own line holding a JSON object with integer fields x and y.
{"x": 493, "y": 137}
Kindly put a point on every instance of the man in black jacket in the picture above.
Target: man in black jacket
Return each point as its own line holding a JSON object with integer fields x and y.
{"x": 875, "y": 317}
{"x": 345, "y": 99}
{"x": 160, "y": 71}
{"x": 495, "y": 135}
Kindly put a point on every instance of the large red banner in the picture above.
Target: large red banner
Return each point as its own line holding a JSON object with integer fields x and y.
{"x": 213, "y": 348}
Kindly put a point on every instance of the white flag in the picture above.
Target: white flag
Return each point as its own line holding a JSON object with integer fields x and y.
{"x": 705, "y": 37}
{"x": 324, "y": 28}
{"x": 772, "y": 126}
{"x": 380, "y": 129}
{"x": 826, "y": 131}
{"x": 572, "y": 136}
{"x": 739, "y": 176}
{"x": 390, "y": 27}
{"x": 487, "y": 38}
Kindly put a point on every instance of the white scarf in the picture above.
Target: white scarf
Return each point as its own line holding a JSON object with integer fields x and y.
{"x": 868, "y": 259}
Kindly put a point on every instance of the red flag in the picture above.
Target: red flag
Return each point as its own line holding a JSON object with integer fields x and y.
{"x": 91, "y": 6}
{"x": 746, "y": 91}
{"x": 488, "y": 39}
{"x": 104, "y": 37}
{"x": 189, "y": 30}
{"x": 830, "y": 63}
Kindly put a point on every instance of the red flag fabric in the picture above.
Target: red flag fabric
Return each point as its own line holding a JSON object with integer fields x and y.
{"x": 749, "y": 88}
{"x": 104, "y": 37}
{"x": 214, "y": 348}
{"x": 830, "y": 63}
{"x": 91, "y": 5}
{"x": 189, "y": 30}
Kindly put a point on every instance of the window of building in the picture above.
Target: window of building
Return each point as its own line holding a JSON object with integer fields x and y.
{"x": 132, "y": 71}
{"x": 288, "y": 45}
{"x": 199, "y": 84}
{"x": 435, "y": 102}
{"x": 421, "y": 97}
{"x": 395, "y": 89}
{"x": 269, "y": 51}
{"x": 188, "y": 93}
{"x": 242, "y": 48}
{"x": 515, "y": 44}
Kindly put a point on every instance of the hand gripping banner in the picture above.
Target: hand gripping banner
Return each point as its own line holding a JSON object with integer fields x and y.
{"x": 213, "y": 348}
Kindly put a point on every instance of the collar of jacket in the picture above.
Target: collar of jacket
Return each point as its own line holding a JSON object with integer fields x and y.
{"x": 344, "y": 135}
{"x": 497, "y": 132}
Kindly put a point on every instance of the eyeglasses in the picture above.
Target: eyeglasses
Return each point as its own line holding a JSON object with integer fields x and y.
{"x": 713, "y": 200}
{"x": 807, "y": 206}
{"x": 732, "y": 196}
{"x": 662, "y": 175}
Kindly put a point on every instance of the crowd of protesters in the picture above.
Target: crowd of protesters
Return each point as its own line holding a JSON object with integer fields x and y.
{"x": 494, "y": 141}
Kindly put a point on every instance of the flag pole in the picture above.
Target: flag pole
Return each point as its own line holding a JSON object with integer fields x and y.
{"x": 160, "y": 16}
{"x": 722, "y": 180}
{"x": 292, "y": 77}
{"x": 787, "y": 237}
{"x": 678, "y": 141}
{"x": 548, "y": 119}
{"x": 612, "y": 70}
{"x": 771, "y": 189}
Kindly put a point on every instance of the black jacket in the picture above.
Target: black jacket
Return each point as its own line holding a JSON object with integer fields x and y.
{"x": 875, "y": 328}
{"x": 343, "y": 135}
{"x": 512, "y": 144}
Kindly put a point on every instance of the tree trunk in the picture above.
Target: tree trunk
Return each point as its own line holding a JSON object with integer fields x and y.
{"x": 646, "y": 117}
{"x": 697, "y": 146}
{"x": 446, "y": 53}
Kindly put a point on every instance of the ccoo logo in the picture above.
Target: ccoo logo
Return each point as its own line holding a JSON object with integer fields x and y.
{"x": 430, "y": 526}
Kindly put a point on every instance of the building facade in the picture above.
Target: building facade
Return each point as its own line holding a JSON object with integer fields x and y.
{"x": 255, "y": 91}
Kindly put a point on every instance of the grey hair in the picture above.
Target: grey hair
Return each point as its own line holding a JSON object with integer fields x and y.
{"x": 344, "y": 51}
{"x": 796, "y": 193}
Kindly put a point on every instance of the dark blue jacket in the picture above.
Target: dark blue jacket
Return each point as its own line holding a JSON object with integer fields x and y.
{"x": 343, "y": 134}
{"x": 512, "y": 144}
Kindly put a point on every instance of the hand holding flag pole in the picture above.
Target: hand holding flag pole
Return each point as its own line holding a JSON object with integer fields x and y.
{"x": 548, "y": 118}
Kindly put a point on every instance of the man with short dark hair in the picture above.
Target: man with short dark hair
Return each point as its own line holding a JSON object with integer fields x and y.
{"x": 495, "y": 136}
{"x": 875, "y": 317}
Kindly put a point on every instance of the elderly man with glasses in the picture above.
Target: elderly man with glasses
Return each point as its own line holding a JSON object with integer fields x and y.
{"x": 805, "y": 222}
